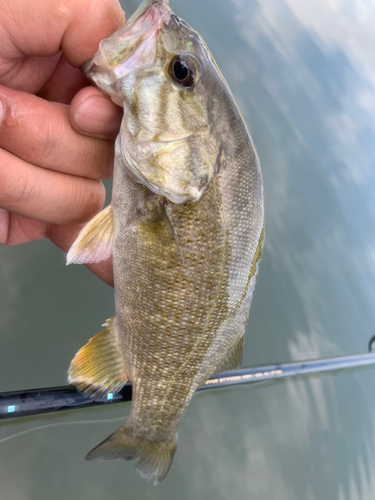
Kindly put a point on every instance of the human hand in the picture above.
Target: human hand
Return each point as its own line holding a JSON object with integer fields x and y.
{"x": 49, "y": 173}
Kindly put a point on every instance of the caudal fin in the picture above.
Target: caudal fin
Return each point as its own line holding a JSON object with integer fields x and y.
{"x": 154, "y": 459}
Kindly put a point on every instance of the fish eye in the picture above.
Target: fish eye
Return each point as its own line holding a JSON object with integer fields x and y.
{"x": 183, "y": 70}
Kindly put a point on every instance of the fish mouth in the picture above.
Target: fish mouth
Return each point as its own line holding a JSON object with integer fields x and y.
{"x": 134, "y": 43}
{"x": 148, "y": 12}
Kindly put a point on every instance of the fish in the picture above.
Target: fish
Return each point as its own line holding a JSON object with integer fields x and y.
{"x": 185, "y": 228}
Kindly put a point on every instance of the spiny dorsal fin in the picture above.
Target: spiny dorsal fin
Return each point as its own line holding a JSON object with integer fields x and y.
{"x": 99, "y": 367}
{"x": 94, "y": 242}
{"x": 233, "y": 359}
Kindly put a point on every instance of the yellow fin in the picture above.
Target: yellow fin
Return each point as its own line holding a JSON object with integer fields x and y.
{"x": 99, "y": 367}
{"x": 233, "y": 359}
{"x": 94, "y": 242}
{"x": 153, "y": 458}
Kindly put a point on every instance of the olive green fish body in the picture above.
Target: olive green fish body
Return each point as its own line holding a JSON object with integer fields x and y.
{"x": 186, "y": 230}
{"x": 178, "y": 317}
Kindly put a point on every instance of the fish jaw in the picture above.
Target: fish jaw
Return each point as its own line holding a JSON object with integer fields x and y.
{"x": 131, "y": 47}
{"x": 165, "y": 140}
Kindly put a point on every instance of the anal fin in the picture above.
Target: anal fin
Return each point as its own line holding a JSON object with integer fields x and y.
{"x": 233, "y": 358}
{"x": 94, "y": 242}
{"x": 99, "y": 367}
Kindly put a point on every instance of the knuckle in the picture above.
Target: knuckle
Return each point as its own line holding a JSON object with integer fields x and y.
{"x": 18, "y": 187}
{"x": 42, "y": 148}
{"x": 20, "y": 192}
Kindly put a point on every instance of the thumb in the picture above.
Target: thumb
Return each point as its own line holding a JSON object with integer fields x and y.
{"x": 49, "y": 26}
{"x": 92, "y": 113}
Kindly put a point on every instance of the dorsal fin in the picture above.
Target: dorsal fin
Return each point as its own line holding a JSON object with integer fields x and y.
{"x": 99, "y": 366}
{"x": 94, "y": 242}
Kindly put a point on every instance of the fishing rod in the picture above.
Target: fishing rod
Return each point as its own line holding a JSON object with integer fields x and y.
{"x": 52, "y": 399}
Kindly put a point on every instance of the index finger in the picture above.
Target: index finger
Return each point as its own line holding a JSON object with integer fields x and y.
{"x": 48, "y": 26}
{"x": 39, "y": 132}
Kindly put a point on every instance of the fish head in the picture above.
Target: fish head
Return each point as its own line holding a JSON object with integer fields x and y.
{"x": 159, "y": 69}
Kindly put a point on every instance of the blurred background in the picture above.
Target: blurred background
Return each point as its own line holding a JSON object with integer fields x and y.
{"x": 303, "y": 74}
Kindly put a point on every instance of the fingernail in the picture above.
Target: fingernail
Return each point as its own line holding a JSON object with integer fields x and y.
{"x": 98, "y": 116}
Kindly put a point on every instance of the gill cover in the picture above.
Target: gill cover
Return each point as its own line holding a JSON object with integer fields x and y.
{"x": 153, "y": 67}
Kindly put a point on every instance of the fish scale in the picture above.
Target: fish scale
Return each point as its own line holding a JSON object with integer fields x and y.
{"x": 186, "y": 229}
{"x": 150, "y": 322}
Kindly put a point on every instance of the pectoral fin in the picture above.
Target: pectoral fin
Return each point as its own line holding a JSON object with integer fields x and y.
{"x": 175, "y": 236}
{"x": 99, "y": 366}
{"x": 94, "y": 242}
{"x": 159, "y": 235}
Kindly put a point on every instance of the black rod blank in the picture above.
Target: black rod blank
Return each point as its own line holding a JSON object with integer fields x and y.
{"x": 38, "y": 401}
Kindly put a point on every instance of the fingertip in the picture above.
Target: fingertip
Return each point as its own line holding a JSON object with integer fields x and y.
{"x": 86, "y": 199}
{"x": 104, "y": 271}
{"x": 92, "y": 113}
{"x": 91, "y": 202}
{"x": 90, "y": 22}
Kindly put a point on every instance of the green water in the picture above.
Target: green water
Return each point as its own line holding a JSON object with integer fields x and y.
{"x": 304, "y": 77}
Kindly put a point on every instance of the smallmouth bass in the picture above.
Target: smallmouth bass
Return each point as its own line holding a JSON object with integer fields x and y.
{"x": 185, "y": 227}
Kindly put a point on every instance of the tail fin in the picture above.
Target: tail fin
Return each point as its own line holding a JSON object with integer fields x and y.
{"x": 154, "y": 459}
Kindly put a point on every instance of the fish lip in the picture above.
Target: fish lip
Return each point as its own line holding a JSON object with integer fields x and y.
{"x": 141, "y": 10}
{"x": 146, "y": 22}
{"x": 152, "y": 7}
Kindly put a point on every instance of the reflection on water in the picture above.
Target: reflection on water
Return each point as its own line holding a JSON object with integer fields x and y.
{"x": 304, "y": 77}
